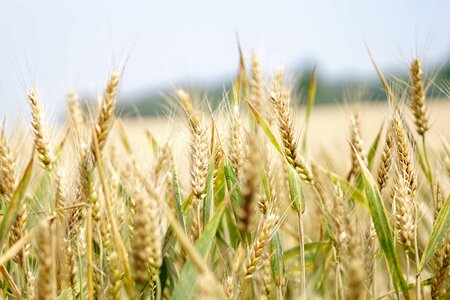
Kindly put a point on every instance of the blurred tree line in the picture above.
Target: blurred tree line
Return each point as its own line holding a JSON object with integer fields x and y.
{"x": 328, "y": 91}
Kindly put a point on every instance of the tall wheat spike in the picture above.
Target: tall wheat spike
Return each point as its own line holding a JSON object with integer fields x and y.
{"x": 257, "y": 86}
{"x": 357, "y": 143}
{"x": 41, "y": 139}
{"x": 385, "y": 161}
{"x": 103, "y": 122}
{"x": 287, "y": 136}
{"x": 77, "y": 118}
{"x": 7, "y": 168}
{"x": 418, "y": 105}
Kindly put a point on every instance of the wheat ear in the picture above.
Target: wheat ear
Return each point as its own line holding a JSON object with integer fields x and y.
{"x": 7, "y": 168}
{"x": 405, "y": 162}
{"x": 229, "y": 287}
{"x": 340, "y": 223}
{"x": 236, "y": 140}
{"x": 385, "y": 161}
{"x": 259, "y": 245}
{"x": 370, "y": 249}
{"x": 103, "y": 123}
{"x": 441, "y": 260}
{"x": 250, "y": 186}
{"x": 191, "y": 113}
{"x": 404, "y": 212}
{"x": 147, "y": 240}
{"x": 418, "y": 105}
{"x": 357, "y": 143}
{"x": 115, "y": 276}
{"x": 43, "y": 147}
{"x": 46, "y": 252}
{"x": 199, "y": 162}
{"x": 257, "y": 97}
{"x": 287, "y": 135}
{"x": 77, "y": 118}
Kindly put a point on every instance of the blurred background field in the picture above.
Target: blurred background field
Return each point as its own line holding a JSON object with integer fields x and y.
{"x": 62, "y": 45}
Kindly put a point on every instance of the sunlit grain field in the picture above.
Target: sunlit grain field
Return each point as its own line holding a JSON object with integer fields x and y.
{"x": 330, "y": 123}
{"x": 330, "y": 129}
{"x": 257, "y": 200}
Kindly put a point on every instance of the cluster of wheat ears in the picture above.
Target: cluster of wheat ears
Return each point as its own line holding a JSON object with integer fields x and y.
{"x": 258, "y": 217}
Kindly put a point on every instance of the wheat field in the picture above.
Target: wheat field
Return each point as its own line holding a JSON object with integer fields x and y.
{"x": 255, "y": 200}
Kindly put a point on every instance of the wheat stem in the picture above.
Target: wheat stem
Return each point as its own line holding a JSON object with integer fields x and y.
{"x": 302, "y": 256}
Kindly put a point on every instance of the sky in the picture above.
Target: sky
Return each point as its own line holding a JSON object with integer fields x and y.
{"x": 62, "y": 45}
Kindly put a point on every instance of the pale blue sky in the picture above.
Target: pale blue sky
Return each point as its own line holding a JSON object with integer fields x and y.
{"x": 74, "y": 44}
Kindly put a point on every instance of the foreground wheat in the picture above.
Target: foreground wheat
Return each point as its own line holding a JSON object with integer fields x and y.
{"x": 235, "y": 210}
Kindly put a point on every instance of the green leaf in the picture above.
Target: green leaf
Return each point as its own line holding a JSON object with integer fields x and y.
{"x": 185, "y": 288}
{"x": 440, "y": 229}
{"x": 296, "y": 190}
{"x": 42, "y": 190}
{"x": 209, "y": 199}
{"x": 277, "y": 262}
{"x": 123, "y": 137}
{"x": 152, "y": 141}
{"x": 265, "y": 127}
{"x": 14, "y": 205}
{"x": 233, "y": 187}
{"x": 311, "y": 100}
{"x": 265, "y": 184}
{"x": 169, "y": 240}
{"x": 374, "y": 147}
{"x": 382, "y": 226}
{"x": 187, "y": 203}
{"x": 347, "y": 187}
{"x": 241, "y": 82}
{"x": 178, "y": 200}
{"x": 233, "y": 230}
{"x": 236, "y": 203}
{"x": 168, "y": 273}
{"x": 294, "y": 252}
{"x": 61, "y": 145}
